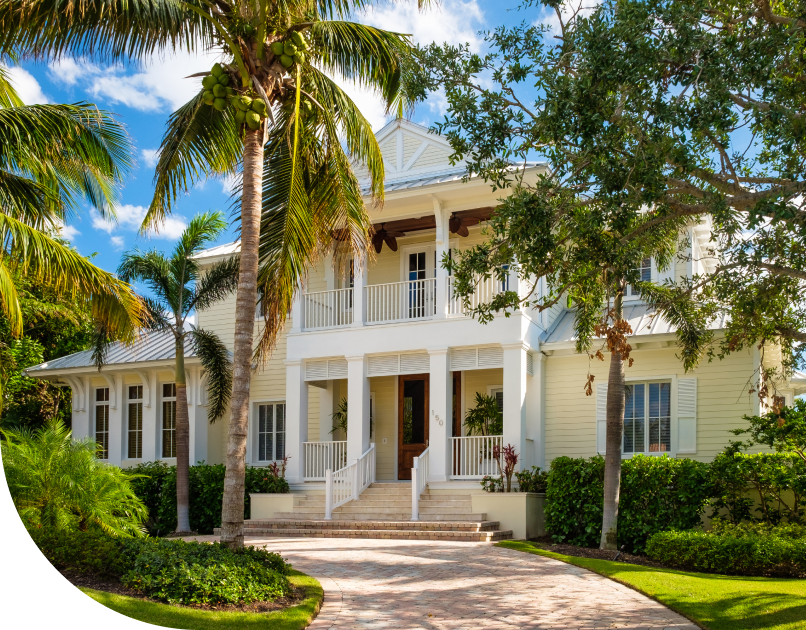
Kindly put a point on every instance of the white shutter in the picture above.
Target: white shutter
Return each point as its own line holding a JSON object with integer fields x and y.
{"x": 464, "y": 359}
{"x": 415, "y": 363}
{"x": 381, "y": 365}
{"x": 491, "y": 357}
{"x": 315, "y": 370}
{"x": 601, "y": 417}
{"x": 687, "y": 415}
{"x": 337, "y": 368}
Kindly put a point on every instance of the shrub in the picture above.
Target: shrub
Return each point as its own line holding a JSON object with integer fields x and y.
{"x": 732, "y": 551}
{"x": 534, "y": 480}
{"x": 206, "y": 483}
{"x": 657, "y": 494}
{"x": 174, "y": 571}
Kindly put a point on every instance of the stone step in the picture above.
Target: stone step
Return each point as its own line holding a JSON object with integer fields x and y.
{"x": 467, "y": 526}
{"x": 402, "y": 534}
{"x": 391, "y": 516}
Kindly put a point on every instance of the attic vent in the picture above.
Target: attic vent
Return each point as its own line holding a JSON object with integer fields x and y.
{"x": 414, "y": 363}
{"x": 530, "y": 364}
{"x": 410, "y": 363}
{"x": 477, "y": 358}
{"x": 324, "y": 370}
{"x": 337, "y": 368}
{"x": 491, "y": 357}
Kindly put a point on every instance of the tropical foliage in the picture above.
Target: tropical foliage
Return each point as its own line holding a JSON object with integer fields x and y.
{"x": 485, "y": 418}
{"x": 58, "y": 483}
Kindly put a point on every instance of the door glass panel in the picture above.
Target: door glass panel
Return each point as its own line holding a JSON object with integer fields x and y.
{"x": 414, "y": 412}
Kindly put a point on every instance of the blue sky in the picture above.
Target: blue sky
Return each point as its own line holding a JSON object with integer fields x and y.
{"x": 143, "y": 97}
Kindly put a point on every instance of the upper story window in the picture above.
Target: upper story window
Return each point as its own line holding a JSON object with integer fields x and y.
{"x": 271, "y": 432}
{"x": 169, "y": 420}
{"x": 102, "y": 421}
{"x": 645, "y": 271}
{"x": 135, "y": 426}
{"x": 648, "y": 418}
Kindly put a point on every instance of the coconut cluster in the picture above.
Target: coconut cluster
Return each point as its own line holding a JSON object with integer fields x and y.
{"x": 217, "y": 92}
{"x": 249, "y": 111}
{"x": 292, "y": 50}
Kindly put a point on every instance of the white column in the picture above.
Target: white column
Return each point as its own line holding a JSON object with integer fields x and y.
{"x": 296, "y": 419}
{"x": 297, "y": 311}
{"x": 357, "y": 408}
{"x": 197, "y": 416}
{"x": 326, "y": 412}
{"x": 359, "y": 294}
{"x": 151, "y": 421}
{"x": 117, "y": 416}
{"x": 443, "y": 234}
{"x": 441, "y": 396}
{"x": 515, "y": 396}
{"x": 535, "y": 421}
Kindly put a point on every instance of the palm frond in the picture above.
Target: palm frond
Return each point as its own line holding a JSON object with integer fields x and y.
{"x": 9, "y": 302}
{"x": 8, "y": 95}
{"x": 217, "y": 365}
{"x": 152, "y": 268}
{"x": 215, "y": 284}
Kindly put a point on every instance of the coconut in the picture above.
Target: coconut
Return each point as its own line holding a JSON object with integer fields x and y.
{"x": 209, "y": 81}
{"x": 219, "y": 90}
{"x": 217, "y": 70}
{"x": 259, "y": 105}
{"x": 252, "y": 120}
{"x": 243, "y": 103}
{"x": 240, "y": 117}
{"x": 286, "y": 61}
{"x": 224, "y": 79}
{"x": 277, "y": 48}
{"x": 220, "y": 104}
{"x": 298, "y": 39}
{"x": 230, "y": 91}
{"x": 299, "y": 57}
{"x": 307, "y": 105}
{"x": 289, "y": 49}
{"x": 208, "y": 97}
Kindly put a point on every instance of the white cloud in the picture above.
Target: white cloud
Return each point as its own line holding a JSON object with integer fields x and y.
{"x": 26, "y": 85}
{"x": 66, "y": 231}
{"x": 171, "y": 228}
{"x": 68, "y": 71}
{"x": 228, "y": 183}
{"x": 150, "y": 157}
{"x": 569, "y": 11}
{"x": 117, "y": 241}
{"x": 130, "y": 218}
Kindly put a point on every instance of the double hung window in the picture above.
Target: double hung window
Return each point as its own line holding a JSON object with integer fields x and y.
{"x": 135, "y": 422}
{"x": 648, "y": 418}
{"x": 169, "y": 420}
{"x": 644, "y": 274}
{"x": 102, "y": 421}
{"x": 271, "y": 432}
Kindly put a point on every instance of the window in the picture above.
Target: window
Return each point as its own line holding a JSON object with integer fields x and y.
{"x": 102, "y": 421}
{"x": 645, "y": 271}
{"x": 271, "y": 432}
{"x": 135, "y": 430}
{"x": 498, "y": 394}
{"x": 648, "y": 418}
{"x": 169, "y": 420}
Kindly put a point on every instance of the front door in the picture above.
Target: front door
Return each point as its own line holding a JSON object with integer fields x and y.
{"x": 412, "y": 420}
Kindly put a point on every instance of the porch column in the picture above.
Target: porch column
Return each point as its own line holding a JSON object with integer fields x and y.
{"x": 326, "y": 412}
{"x": 298, "y": 311}
{"x": 357, "y": 408}
{"x": 151, "y": 423}
{"x": 296, "y": 419}
{"x": 441, "y": 396}
{"x": 197, "y": 415}
{"x": 443, "y": 237}
{"x": 117, "y": 416}
{"x": 515, "y": 396}
{"x": 359, "y": 284}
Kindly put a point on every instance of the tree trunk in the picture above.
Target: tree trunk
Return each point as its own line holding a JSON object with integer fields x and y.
{"x": 182, "y": 443}
{"x": 615, "y": 424}
{"x": 251, "y": 198}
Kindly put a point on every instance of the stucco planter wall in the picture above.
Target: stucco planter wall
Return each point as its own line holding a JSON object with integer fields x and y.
{"x": 265, "y": 505}
{"x": 522, "y": 512}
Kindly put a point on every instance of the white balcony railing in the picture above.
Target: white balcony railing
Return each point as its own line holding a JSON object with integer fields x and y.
{"x": 419, "y": 479}
{"x": 472, "y": 456}
{"x": 328, "y": 309}
{"x": 347, "y": 483}
{"x": 485, "y": 291}
{"x": 321, "y": 456}
{"x": 401, "y": 301}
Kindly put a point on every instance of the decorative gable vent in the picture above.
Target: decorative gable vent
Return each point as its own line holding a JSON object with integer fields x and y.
{"x": 325, "y": 370}
{"x": 477, "y": 358}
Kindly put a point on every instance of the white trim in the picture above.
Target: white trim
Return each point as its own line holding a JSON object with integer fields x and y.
{"x": 253, "y": 441}
{"x": 161, "y": 418}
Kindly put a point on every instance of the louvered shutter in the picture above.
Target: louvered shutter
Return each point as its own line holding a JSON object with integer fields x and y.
{"x": 601, "y": 417}
{"x": 687, "y": 415}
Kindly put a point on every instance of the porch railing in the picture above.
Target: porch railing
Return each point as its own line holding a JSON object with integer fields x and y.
{"x": 419, "y": 479}
{"x": 485, "y": 291}
{"x": 401, "y": 301}
{"x": 319, "y": 456}
{"x": 472, "y": 456}
{"x": 328, "y": 309}
{"x": 347, "y": 483}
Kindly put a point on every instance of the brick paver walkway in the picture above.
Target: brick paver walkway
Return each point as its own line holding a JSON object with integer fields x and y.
{"x": 403, "y": 584}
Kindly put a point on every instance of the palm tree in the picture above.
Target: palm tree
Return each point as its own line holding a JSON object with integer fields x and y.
{"x": 298, "y": 191}
{"x": 181, "y": 288}
{"x": 58, "y": 482}
{"x": 51, "y": 158}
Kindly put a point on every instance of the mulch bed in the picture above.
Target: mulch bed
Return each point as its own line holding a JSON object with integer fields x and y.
{"x": 86, "y": 580}
{"x": 597, "y": 554}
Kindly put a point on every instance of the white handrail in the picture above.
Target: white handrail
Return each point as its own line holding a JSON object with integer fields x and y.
{"x": 319, "y": 456}
{"x": 347, "y": 483}
{"x": 419, "y": 479}
{"x": 486, "y": 290}
{"x": 401, "y": 301}
{"x": 328, "y": 309}
{"x": 472, "y": 456}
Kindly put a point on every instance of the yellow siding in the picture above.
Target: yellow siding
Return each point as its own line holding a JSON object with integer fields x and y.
{"x": 389, "y": 151}
{"x": 479, "y": 381}
{"x": 722, "y": 399}
{"x": 410, "y": 146}
{"x": 383, "y": 387}
{"x": 435, "y": 157}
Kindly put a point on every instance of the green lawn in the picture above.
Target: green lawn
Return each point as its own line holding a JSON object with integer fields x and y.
{"x": 294, "y": 618}
{"x": 715, "y": 602}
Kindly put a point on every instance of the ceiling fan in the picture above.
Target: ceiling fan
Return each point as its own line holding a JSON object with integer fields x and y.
{"x": 459, "y": 225}
{"x": 382, "y": 236}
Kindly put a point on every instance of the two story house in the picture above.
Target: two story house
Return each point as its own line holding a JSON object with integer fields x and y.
{"x": 392, "y": 341}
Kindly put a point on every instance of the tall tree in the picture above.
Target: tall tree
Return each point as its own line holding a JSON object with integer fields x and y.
{"x": 181, "y": 289}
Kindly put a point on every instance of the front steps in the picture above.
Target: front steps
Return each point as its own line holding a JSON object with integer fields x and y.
{"x": 383, "y": 511}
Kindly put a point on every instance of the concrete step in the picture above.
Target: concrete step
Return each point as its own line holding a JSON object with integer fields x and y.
{"x": 465, "y": 526}
{"x": 402, "y": 534}
{"x": 391, "y": 516}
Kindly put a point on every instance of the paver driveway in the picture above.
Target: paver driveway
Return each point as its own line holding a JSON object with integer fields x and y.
{"x": 401, "y": 584}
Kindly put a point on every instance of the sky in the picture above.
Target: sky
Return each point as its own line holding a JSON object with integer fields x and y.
{"x": 142, "y": 97}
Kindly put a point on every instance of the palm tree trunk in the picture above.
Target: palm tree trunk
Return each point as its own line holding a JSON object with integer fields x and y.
{"x": 233, "y": 504}
{"x": 182, "y": 443}
{"x": 615, "y": 423}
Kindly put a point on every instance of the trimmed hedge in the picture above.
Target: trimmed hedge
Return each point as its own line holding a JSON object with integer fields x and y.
{"x": 733, "y": 550}
{"x": 657, "y": 494}
{"x": 155, "y": 484}
{"x": 173, "y": 571}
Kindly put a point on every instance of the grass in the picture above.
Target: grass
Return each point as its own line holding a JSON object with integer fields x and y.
{"x": 294, "y": 618}
{"x": 714, "y": 602}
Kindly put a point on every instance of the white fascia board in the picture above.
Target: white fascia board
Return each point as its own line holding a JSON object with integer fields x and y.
{"x": 91, "y": 370}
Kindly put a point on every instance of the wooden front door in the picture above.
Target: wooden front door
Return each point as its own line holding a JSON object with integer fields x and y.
{"x": 412, "y": 421}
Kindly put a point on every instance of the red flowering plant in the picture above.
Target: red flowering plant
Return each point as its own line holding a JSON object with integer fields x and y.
{"x": 510, "y": 460}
